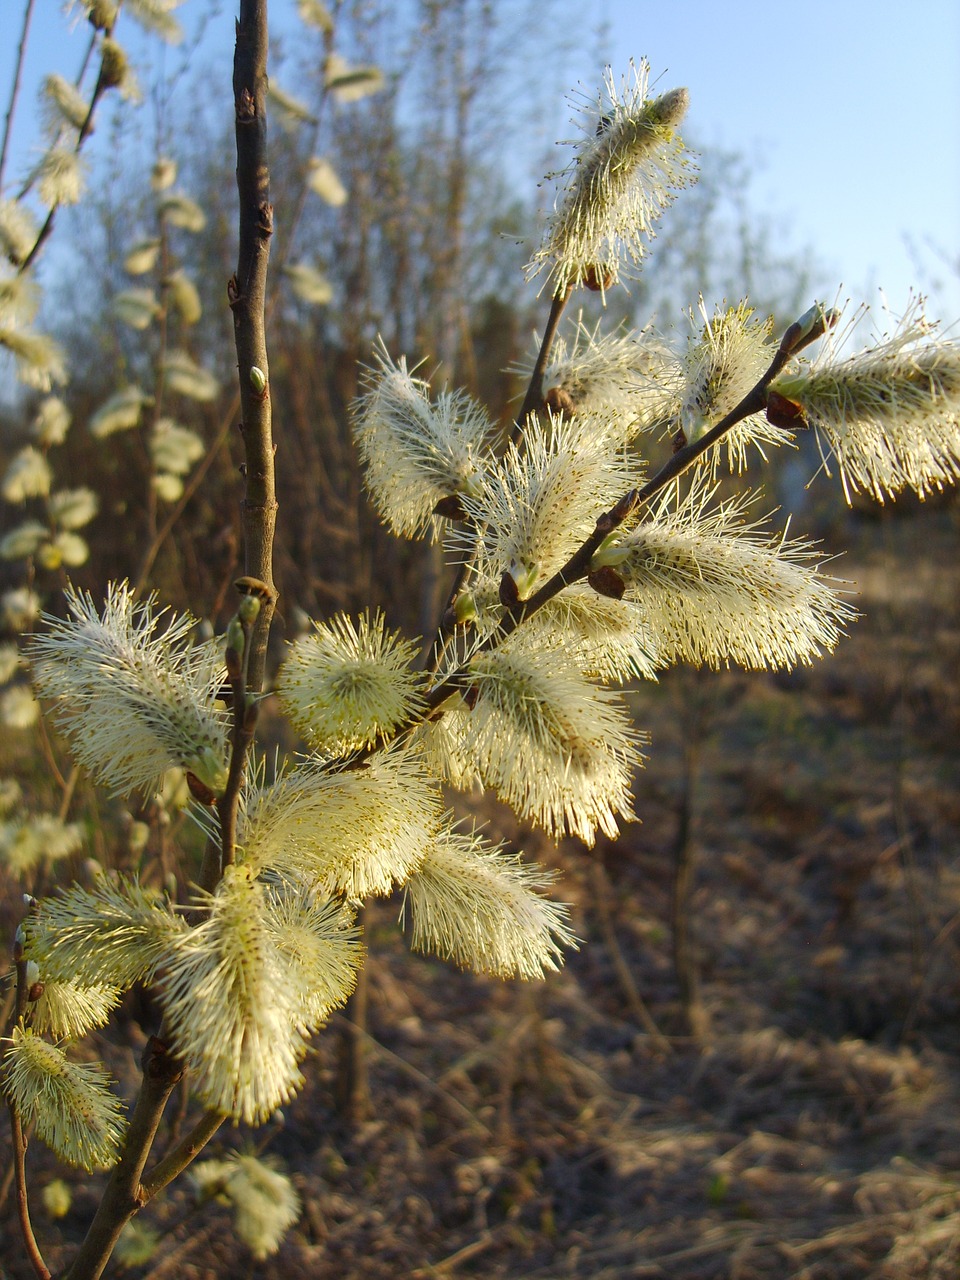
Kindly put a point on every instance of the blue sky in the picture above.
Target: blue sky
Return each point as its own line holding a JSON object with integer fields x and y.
{"x": 850, "y": 109}
{"x": 853, "y": 108}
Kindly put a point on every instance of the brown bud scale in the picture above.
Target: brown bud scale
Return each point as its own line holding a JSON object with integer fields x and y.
{"x": 607, "y": 582}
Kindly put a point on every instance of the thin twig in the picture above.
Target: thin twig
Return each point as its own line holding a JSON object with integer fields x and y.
{"x": 241, "y": 739}
{"x": 247, "y": 298}
{"x": 23, "y": 1208}
{"x": 99, "y": 89}
{"x": 15, "y": 89}
{"x": 532, "y": 400}
{"x": 123, "y": 1196}
{"x": 177, "y": 1159}
{"x": 19, "y": 1141}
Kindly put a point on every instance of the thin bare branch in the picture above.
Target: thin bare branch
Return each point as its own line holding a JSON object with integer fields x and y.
{"x": 15, "y": 88}
{"x": 176, "y": 1160}
{"x": 123, "y": 1196}
{"x": 19, "y": 1141}
{"x": 247, "y": 298}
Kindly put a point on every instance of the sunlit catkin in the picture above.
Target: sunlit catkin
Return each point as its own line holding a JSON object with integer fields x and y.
{"x": 73, "y": 1110}
{"x": 625, "y": 171}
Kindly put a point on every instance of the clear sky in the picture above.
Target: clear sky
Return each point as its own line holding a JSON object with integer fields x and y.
{"x": 852, "y": 106}
{"x": 852, "y": 110}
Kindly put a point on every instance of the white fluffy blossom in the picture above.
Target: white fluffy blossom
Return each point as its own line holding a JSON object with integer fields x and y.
{"x": 19, "y": 608}
{"x": 61, "y": 177}
{"x": 119, "y": 412}
{"x": 132, "y": 693}
{"x": 52, "y": 422}
{"x": 417, "y": 451}
{"x": 348, "y": 682}
{"x": 69, "y": 1102}
{"x": 890, "y": 415}
{"x": 538, "y": 503}
{"x": 173, "y": 448}
{"x": 182, "y": 374}
{"x": 28, "y": 475}
{"x": 725, "y": 358}
{"x": 265, "y": 1204}
{"x": 73, "y": 508}
{"x": 630, "y": 378}
{"x": 715, "y": 589}
{"x": 234, "y": 1006}
{"x": 626, "y": 168}
{"x": 558, "y": 749}
{"x": 483, "y": 908}
{"x": 354, "y": 832}
{"x": 324, "y": 180}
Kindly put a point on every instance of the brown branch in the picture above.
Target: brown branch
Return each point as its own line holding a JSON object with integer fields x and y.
{"x": 123, "y": 1196}
{"x": 19, "y": 1141}
{"x": 248, "y": 296}
{"x": 245, "y": 711}
{"x": 99, "y": 89}
{"x": 15, "y": 88}
{"x": 247, "y": 293}
{"x": 532, "y": 401}
{"x": 797, "y": 336}
{"x": 23, "y": 1209}
{"x": 183, "y": 1154}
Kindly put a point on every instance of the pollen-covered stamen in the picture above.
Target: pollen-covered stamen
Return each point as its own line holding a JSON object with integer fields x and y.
{"x": 483, "y": 908}
{"x": 134, "y": 695}
{"x": 714, "y": 589}
{"x": 724, "y": 361}
{"x": 890, "y": 415}
{"x": 627, "y": 167}
{"x": 557, "y": 748}
{"x": 349, "y": 683}
{"x": 631, "y": 379}
{"x": 418, "y": 451}
{"x": 74, "y": 1111}
{"x": 539, "y": 503}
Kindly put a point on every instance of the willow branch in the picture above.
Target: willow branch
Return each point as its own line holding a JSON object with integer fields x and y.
{"x": 123, "y": 1196}
{"x": 23, "y": 1208}
{"x": 247, "y": 298}
{"x": 245, "y": 711}
{"x": 799, "y": 335}
{"x": 183, "y": 1154}
{"x": 532, "y": 400}
{"x": 100, "y": 88}
{"x": 19, "y": 1140}
{"x": 15, "y": 88}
